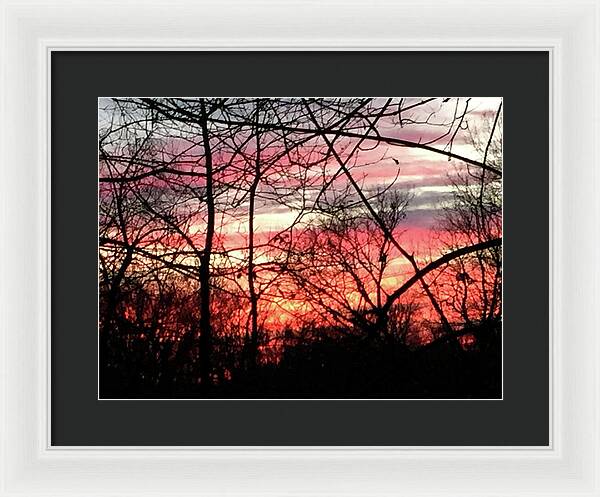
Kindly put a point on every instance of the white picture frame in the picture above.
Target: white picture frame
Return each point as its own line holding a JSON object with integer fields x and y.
{"x": 568, "y": 30}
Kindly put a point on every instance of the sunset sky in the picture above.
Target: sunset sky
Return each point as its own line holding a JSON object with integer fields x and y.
{"x": 426, "y": 175}
{"x": 273, "y": 246}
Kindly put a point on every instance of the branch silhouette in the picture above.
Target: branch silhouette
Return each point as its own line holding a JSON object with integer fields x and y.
{"x": 488, "y": 244}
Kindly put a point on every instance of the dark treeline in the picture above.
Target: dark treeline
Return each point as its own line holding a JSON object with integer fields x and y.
{"x": 198, "y": 299}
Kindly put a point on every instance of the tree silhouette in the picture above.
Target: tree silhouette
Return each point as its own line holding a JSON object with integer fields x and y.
{"x": 245, "y": 249}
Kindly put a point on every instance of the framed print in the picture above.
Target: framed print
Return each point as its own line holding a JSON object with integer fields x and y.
{"x": 243, "y": 247}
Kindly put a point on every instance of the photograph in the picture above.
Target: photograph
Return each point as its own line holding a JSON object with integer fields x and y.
{"x": 300, "y": 248}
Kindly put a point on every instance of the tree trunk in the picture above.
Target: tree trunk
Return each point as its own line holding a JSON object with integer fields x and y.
{"x": 204, "y": 272}
{"x": 253, "y": 346}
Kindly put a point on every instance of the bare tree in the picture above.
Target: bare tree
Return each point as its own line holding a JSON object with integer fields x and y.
{"x": 472, "y": 287}
{"x": 217, "y": 215}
